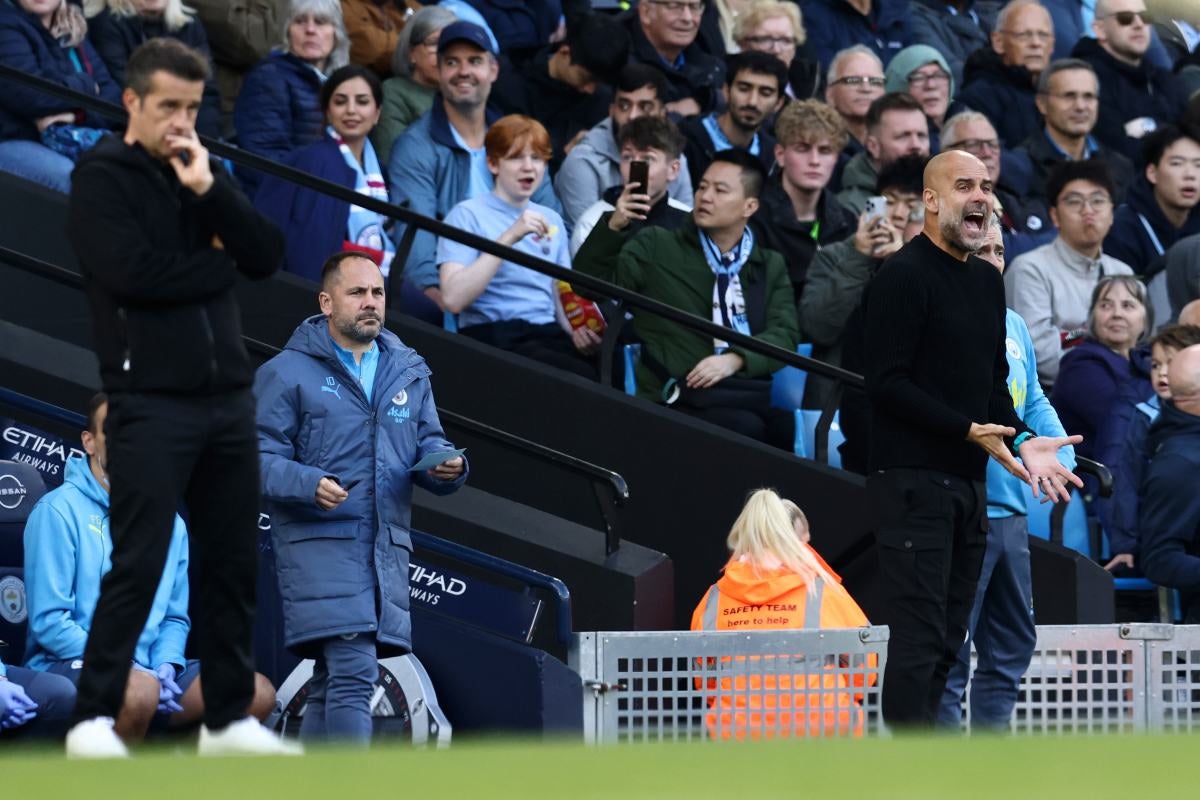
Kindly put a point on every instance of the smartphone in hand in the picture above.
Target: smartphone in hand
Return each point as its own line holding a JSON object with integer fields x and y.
{"x": 639, "y": 173}
{"x": 875, "y": 209}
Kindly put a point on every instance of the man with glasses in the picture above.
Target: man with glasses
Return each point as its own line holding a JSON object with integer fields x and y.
{"x": 1024, "y": 222}
{"x": 955, "y": 28}
{"x": 664, "y": 33}
{"x": 924, "y": 73}
{"x": 882, "y": 26}
{"x": 1051, "y": 286}
{"x": 999, "y": 81}
{"x": 1138, "y": 95}
{"x": 855, "y": 81}
{"x": 896, "y": 127}
{"x": 1068, "y": 98}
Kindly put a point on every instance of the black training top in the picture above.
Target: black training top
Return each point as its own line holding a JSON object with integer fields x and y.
{"x": 935, "y": 360}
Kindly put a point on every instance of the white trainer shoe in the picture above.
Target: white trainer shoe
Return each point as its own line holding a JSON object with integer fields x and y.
{"x": 246, "y": 737}
{"x": 95, "y": 738}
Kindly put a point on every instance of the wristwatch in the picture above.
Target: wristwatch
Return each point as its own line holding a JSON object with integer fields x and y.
{"x": 1021, "y": 439}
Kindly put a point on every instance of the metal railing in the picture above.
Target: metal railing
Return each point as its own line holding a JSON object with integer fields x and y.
{"x": 609, "y": 487}
{"x": 591, "y": 286}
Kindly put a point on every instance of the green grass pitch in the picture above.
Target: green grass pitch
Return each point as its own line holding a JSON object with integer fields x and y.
{"x": 979, "y": 768}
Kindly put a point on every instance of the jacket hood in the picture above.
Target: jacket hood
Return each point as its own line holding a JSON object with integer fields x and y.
{"x": 312, "y": 338}
{"x": 743, "y": 583}
{"x": 1171, "y": 424}
{"x": 79, "y": 474}
{"x": 985, "y": 62}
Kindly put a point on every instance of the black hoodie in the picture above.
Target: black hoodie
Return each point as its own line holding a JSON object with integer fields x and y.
{"x": 1169, "y": 519}
{"x": 1127, "y": 93}
{"x": 163, "y": 309}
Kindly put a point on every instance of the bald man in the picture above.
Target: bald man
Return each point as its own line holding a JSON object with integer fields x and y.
{"x": 936, "y": 372}
{"x": 1190, "y": 314}
{"x": 1169, "y": 518}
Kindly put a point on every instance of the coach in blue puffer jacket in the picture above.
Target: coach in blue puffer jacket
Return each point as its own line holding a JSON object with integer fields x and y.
{"x": 343, "y": 413}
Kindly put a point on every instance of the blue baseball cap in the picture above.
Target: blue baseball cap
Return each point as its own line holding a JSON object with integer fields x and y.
{"x": 464, "y": 32}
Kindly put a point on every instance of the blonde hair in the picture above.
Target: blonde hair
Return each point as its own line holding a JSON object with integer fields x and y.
{"x": 808, "y": 122}
{"x": 175, "y": 16}
{"x": 762, "y": 10}
{"x": 765, "y": 532}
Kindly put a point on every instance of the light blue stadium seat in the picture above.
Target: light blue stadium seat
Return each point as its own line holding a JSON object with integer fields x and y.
{"x": 450, "y": 322}
{"x": 1075, "y": 523}
{"x": 806, "y": 436}
{"x": 632, "y": 354}
{"x": 787, "y": 384}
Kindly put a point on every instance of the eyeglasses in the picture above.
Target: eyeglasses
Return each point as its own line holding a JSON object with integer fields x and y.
{"x": 1126, "y": 18}
{"x": 679, "y": 6}
{"x": 1075, "y": 202}
{"x": 974, "y": 145}
{"x": 1087, "y": 98}
{"x": 927, "y": 78}
{"x": 770, "y": 42}
{"x": 859, "y": 80}
{"x": 1028, "y": 36}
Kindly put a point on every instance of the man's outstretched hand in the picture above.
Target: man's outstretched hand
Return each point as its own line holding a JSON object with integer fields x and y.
{"x": 1046, "y": 474}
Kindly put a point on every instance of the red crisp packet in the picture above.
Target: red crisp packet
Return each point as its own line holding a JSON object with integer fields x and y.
{"x": 579, "y": 310}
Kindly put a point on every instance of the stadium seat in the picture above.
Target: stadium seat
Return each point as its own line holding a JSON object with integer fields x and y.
{"x": 1075, "y": 531}
{"x": 787, "y": 384}
{"x": 21, "y": 486}
{"x": 632, "y": 354}
{"x": 450, "y": 322}
{"x": 806, "y": 436}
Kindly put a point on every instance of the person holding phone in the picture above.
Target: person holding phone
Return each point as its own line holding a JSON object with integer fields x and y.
{"x": 344, "y": 413}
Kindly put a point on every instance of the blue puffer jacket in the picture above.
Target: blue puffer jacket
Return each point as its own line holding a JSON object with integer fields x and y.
{"x": 278, "y": 111}
{"x": 25, "y": 44}
{"x": 834, "y": 25}
{"x": 431, "y": 173}
{"x": 346, "y": 570}
{"x": 67, "y": 551}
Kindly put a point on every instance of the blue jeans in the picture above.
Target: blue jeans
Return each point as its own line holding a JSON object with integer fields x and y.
{"x": 35, "y": 162}
{"x": 55, "y": 698}
{"x": 339, "y": 698}
{"x": 1003, "y": 629}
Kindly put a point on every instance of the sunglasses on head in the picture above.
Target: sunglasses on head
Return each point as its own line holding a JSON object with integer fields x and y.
{"x": 1125, "y": 18}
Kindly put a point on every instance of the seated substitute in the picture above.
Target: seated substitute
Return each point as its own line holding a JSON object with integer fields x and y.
{"x": 498, "y": 302}
{"x": 775, "y": 581}
{"x": 712, "y": 267}
{"x": 68, "y": 545}
{"x": 33, "y": 704}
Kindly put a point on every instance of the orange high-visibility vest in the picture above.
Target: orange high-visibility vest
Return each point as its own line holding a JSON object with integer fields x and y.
{"x": 812, "y": 704}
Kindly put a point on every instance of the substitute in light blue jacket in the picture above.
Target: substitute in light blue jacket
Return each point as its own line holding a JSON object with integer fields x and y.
{"x": 1001, "y": 623}
{"x": 67, "y": 550}
{"x": 344, "y": 413}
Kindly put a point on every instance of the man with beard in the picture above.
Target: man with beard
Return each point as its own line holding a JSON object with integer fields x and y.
{"x": 439, "y": 160}
{"x": 755, "y": 87}
{"x": 344, "y": 414}
{"x": 936, "y": 375}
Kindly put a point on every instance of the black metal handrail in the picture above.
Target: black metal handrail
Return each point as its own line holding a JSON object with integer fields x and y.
{"x": 610, "y": 487}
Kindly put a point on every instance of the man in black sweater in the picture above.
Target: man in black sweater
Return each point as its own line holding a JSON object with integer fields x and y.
{"x": 936, "y": 372}
{"x": 161, "y": 234}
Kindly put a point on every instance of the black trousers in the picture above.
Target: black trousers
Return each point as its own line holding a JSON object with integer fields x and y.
{"x": 162, "y": 450}
{"x": 932, "y": 534}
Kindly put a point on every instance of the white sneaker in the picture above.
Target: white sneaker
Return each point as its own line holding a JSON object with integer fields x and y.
{"x": 95, "y": 738}
{"x": 246, "y": 737}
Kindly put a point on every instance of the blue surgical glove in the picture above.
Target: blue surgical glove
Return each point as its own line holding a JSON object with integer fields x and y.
{"x": 169, "y": 693}
{"x": 16, "y": 707}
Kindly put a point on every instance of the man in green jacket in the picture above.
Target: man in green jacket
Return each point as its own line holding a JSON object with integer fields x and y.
{"x": 710, "y": 267}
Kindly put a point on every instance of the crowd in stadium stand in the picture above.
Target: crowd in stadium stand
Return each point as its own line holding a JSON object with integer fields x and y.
{"x": 799, "y": 132}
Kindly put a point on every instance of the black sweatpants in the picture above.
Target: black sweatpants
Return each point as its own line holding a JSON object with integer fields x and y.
{"x": 932, "y": 534}
{"x": 202, "y": 451}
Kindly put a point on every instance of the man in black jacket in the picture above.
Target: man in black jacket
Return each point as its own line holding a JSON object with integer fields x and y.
{"x": 936, "y": 375}
{"x": 160, "y": 236}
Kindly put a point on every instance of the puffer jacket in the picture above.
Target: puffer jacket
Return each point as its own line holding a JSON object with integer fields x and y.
{"x": 278, "y": 111}
{"x": 345, "y": 570}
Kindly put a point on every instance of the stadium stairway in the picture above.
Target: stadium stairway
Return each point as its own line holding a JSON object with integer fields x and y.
{"x": 687, "y": 479}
